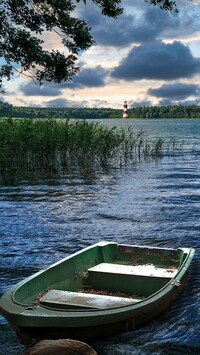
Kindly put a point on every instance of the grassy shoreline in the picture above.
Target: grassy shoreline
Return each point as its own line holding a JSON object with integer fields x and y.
{"x": 53, "y": 145}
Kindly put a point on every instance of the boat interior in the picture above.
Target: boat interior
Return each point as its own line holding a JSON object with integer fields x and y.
{"x": 103, "y": 276}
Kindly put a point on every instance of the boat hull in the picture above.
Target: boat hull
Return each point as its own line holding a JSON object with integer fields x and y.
{"x": 47, "y": 319}
{"x": 127, "y": 323}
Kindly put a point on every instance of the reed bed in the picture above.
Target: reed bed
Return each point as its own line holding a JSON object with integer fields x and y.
{"x": 54, "y": 145}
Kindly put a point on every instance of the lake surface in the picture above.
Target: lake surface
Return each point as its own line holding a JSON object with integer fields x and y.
{"x": 156, "y": 203}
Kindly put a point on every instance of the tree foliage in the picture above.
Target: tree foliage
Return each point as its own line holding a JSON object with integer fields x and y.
{"x": 141, "y": 112}
{"x": 23, "y": 24}
{"x": 164, "y": 4}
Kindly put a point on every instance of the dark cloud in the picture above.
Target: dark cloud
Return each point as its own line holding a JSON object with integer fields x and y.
{"x": 87, "y": 77}
{"x": 61, "y": 103}
{"x": 75, "y": 104}
{"x": 176, "y": 91}
{"x": 167, "y": 102}
{"x": 139, "y": 23}
{"x": 140, "y": 103}
{"x": 34, "y": 89}
{"x": 158, "y": 60}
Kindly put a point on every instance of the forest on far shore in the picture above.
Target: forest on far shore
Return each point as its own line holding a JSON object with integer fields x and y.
{"x": 145, "y": 112}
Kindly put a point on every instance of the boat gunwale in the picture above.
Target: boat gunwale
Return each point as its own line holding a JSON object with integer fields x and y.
{"x": 168, "y": 286}
{"x": 29, "y": 315}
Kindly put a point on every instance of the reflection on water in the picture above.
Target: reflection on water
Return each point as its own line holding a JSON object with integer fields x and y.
{"x": 156, "y": 203}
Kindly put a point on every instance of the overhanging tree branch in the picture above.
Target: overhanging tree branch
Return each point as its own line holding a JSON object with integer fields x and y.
{"x": 23, "y": 21}
{"x": 164, "y": 4}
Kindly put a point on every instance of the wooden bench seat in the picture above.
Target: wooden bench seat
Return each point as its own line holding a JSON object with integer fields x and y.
{"x": 137, "y": 270}
{"x": 67, "y": 299}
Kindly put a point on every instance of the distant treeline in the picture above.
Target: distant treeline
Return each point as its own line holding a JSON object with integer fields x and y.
{"x": 146, "y": 112}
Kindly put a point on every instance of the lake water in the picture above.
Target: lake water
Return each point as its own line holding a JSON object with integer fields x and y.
{"x": 156, "y": 203}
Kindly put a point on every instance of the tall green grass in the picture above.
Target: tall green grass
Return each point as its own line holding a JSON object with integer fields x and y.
{"x": 53, "y": 145}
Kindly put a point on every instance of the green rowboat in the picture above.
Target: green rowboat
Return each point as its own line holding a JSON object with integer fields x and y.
{"x": 101, "y": 290}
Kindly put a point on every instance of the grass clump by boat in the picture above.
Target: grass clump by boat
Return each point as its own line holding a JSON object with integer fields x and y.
{"x": 53, "y": 145}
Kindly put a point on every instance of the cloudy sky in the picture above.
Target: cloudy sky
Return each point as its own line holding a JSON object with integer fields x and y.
{"x": 146, "y": 56}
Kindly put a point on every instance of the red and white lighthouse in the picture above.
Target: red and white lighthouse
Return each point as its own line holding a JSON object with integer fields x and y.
{"x": 125, "y": 110}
